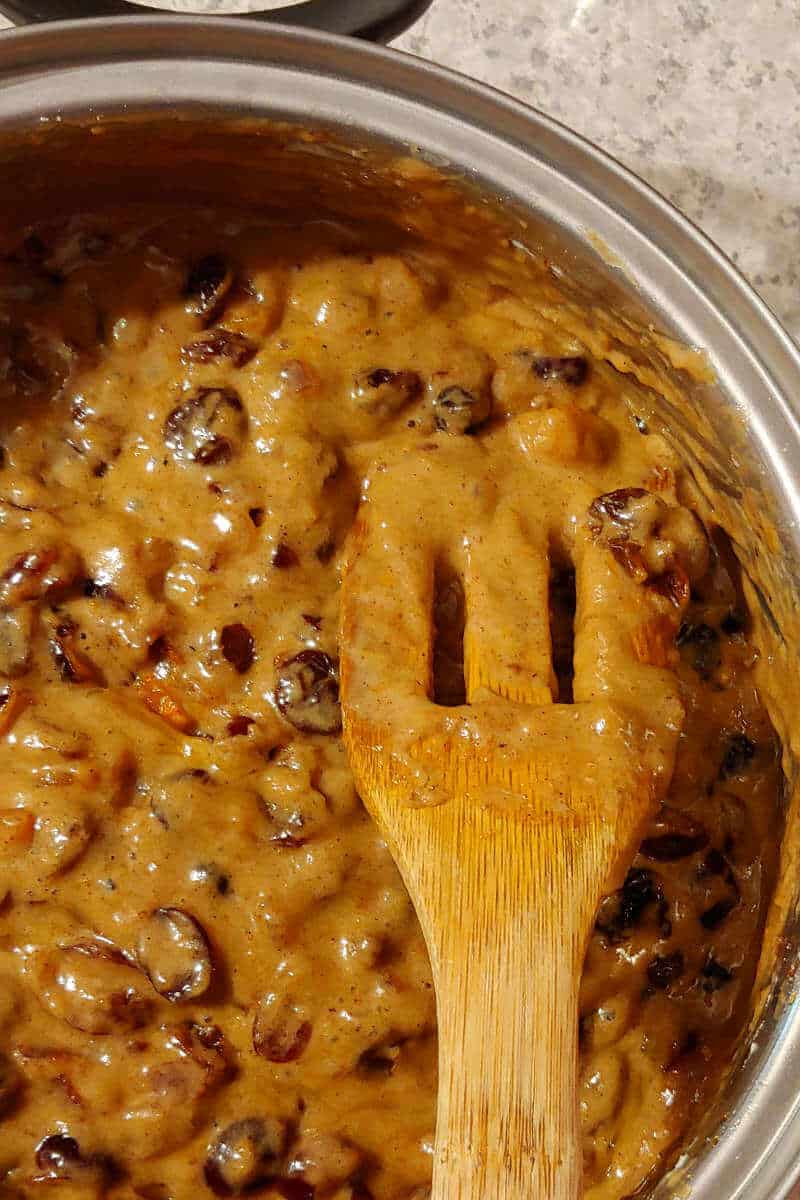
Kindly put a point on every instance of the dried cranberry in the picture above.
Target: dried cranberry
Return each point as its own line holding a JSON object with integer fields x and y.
{"x": 209, "y": 427}
{"x": 570, "y": 369}
{"x": 238, "y": 647}
{"x": 307, "y": 692}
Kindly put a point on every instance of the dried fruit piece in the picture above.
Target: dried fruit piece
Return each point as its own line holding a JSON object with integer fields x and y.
{"x": 245, "y": 1155}
{"x": 380, "y": 391}
{"x": 209, "y": 427}
{"x": 37, "y": 573}
{"x": 699, "y": 646}
{"x": 739, "y": 753}
{"x": 714, "y": 975}
{"x": 16, "y": 830}
{"x": 12, "y": 702}
{"x": 284, "y": 556}
{"x": 714, "y": 916}
{"x": 661, "y": 545}
{"x": 10, "y": 1085}
{"x": 571, "y": 369}
{"x": 238, "y": 646}
{"x": 664, "y": 970}
{"x": 208, "y": 282}
{"x": 174, "y": 951}
{"x": 324, "y": 1160}
{"x": 280, "y": 1030}
{"x": 220, "y": 343}
{"x": 457, "y": 410}
{"x": 307, "y": 692}
{"x": 59, "y": 1157}
{"x": 91, "y": 986}
{"x": 16, "y": 633}
{"x": 624, "y": 909}
{"x": 72, "y": 663}
{"x": 673, "y": 835}
{"x": 160, "y": 700}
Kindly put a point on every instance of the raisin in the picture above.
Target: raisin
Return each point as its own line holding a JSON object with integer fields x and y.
{"x": 10, "y": 1085}
{"x": 173, "y": 949}
{"x": 238, "y": 647}
{"x": 207, "y": 284}
{"x": 220, "y": 343}
{"x": 714, "y": 975}
{"x": 239, "y": 726}
{"x": 700, "y": 648}
{"x": 623, "y": 909}
{"x": 570, "y": 369}
{"x": 209, "y": 427}
{"x": 735, "y": 622}
{"x": 713, "y": 917}
{"x": 383, "y": 392}
{"x": 280, "y": 1033}
{"x": 664, "y": 970}
{"x": 284, "y": 556}
{"x": 16, "y": 635}
{"x": 714, "y": 863}
{"x": 307, "y": 692}
{"x": 670, "y": 847}
{"x": 738, "y": 754}
{"x": 245, "y": 1155}
{"x": 617, "y": 508}
{"x": 256, "y": 515}
{"x": 59, "y": 1156}
{"x": 457, "y": 410}
{"x": 56, "y": 1153}
{"x": 673, "y": 835}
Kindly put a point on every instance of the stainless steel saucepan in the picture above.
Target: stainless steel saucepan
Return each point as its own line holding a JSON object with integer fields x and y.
{"x": 742, "y": 435}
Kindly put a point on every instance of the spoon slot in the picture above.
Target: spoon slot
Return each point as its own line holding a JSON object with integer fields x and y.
{"x": 449, "y": 687}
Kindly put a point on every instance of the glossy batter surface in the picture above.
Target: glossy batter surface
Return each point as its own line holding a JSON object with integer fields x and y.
{"x": 211, "y": 978}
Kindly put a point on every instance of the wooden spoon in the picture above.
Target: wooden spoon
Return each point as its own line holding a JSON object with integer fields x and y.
{"x": 509, "y": 816}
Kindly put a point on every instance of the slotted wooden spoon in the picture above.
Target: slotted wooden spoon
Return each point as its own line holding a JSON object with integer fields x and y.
{"x": 510, "y": 816}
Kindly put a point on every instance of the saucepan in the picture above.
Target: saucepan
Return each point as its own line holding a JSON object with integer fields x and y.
{"x": 78, "y": 104}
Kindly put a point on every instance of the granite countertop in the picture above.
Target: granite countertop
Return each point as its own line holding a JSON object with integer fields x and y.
{"x": 700, "y": 99}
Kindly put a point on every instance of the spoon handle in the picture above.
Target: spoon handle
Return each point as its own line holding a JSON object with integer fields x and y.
{"x": 507, "y": 905}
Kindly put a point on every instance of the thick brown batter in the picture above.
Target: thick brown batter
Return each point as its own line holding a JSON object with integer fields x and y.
{"x": 211, "y": 978}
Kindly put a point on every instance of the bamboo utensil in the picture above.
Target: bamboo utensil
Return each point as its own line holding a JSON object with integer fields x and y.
{"x": 509, "y": 815}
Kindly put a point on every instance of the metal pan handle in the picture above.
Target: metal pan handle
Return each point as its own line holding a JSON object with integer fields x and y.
{"x": 379, "y": 20}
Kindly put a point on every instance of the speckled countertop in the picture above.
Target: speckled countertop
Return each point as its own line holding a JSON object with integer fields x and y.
{"x": 701, "y": 99}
